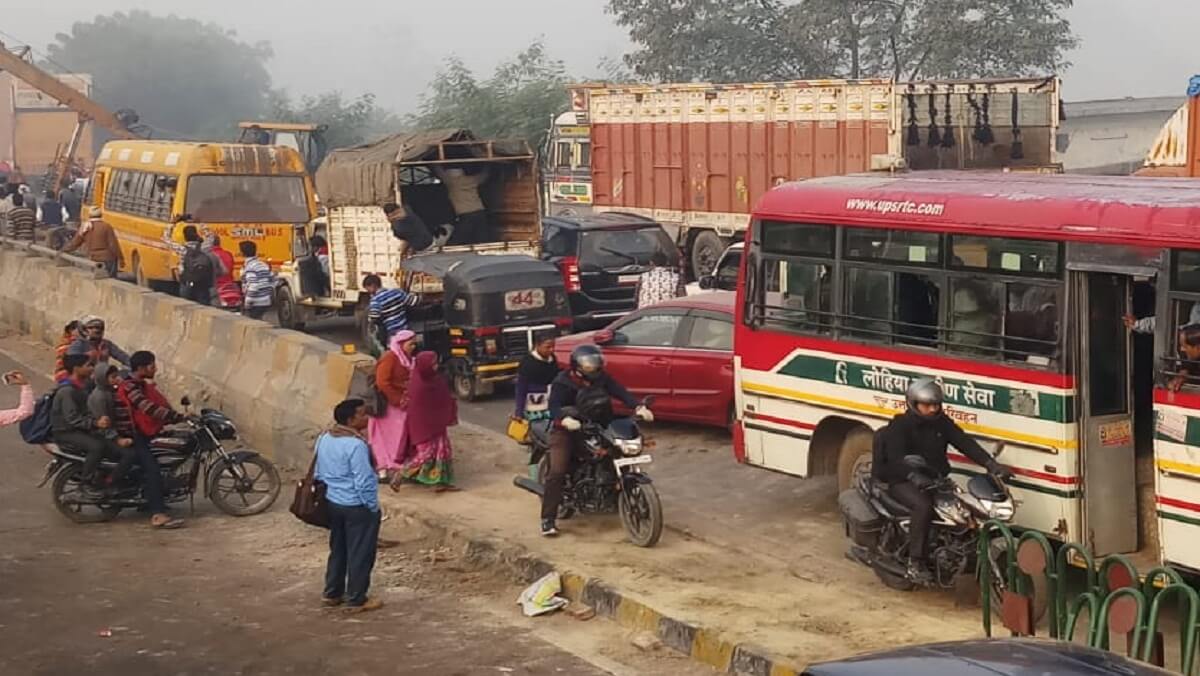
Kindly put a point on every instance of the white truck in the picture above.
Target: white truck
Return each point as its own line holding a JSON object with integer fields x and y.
{"x": 355, "y": 183}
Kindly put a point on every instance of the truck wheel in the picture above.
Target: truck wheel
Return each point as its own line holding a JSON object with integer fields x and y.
{"x": 291, "y": 315}
{"x": 466, "y": 388}
{"x": 706, "y": 251}
{"x": 854, "y": 457}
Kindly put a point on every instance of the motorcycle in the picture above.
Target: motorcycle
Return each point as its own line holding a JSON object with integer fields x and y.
{"x": 878, "y": 526}
{"x": 239, "y": 482}
{"x": 606, "y": 475}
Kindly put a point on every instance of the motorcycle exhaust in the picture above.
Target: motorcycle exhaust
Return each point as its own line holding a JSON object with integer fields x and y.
{"x": 530, "y": 485}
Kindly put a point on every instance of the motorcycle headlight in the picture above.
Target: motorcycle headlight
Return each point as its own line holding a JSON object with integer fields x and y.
{"x": 629, "y": 446}
{"x": 1002, "y": 511}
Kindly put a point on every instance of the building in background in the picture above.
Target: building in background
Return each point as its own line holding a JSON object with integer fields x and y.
{"x": 34, "y": 127}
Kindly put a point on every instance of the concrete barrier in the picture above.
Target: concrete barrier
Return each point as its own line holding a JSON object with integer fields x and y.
{"x": 279, "y": 386}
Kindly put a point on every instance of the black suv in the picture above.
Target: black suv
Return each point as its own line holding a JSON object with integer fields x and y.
{"x": 600, "y": 257}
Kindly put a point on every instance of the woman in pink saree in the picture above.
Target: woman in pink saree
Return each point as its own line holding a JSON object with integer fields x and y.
{"x": 392, "y": 375}
{"x": 431, "y": 412}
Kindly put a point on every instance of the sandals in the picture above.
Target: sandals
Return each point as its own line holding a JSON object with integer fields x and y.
{"x": 168, "y": 524}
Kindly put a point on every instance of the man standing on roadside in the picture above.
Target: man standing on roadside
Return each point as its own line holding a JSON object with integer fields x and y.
{"x": 258, "y": 282}
{"x": 99, "y": 242}
{"x": 387, "y": 312}
{"x": 21, "y": 220}
{"x": 352, "y": 492}
{"x": 51, "y": 214}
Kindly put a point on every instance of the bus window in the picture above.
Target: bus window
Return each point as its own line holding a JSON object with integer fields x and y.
{"x": 799, "y": 239}
{"x": 1022, "y": 256}
{"x": 798, "y": 295}
{"x": 1108, "y": 385}
{"x": 869, "y": 303}
{"x": 904, "y": 246}
{"x": 918, "y": 299}
{"x": 975, "y": 317}
{"x": 247, "y": 199}
{"x": 1031, "y": 323}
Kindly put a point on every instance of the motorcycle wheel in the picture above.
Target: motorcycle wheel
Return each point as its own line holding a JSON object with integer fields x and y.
{"x": 67, "y": 491}
{"x": 253, "y": 495}
{"x": 893, "y": 581}
{"x": 565, "y": 511}
{"x": 641, "y": 514}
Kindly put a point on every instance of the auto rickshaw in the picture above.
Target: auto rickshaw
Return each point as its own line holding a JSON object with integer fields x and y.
{"x": 482, "y": 313}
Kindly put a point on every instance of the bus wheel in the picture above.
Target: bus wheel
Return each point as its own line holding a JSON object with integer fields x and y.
{"x": 291, "y": 315}
{"x": 706, "y": 251}
{"x": 139, "y": 275}
{"x": 854, "y": 458}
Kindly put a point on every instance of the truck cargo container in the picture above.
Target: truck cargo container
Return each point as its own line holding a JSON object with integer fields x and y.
{"x": 697, "y": 157}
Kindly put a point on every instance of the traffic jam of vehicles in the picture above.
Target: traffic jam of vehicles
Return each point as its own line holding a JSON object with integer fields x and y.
{"x": 980, "y": 351}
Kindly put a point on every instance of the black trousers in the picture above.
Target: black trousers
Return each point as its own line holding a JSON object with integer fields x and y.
{"x": 471, "y": 228}
{"x": 257, "y": 312}
{"x": 196, "y": 294}
{"x": 95, "y": 449}
{"x": 353, "y": 539}
{"x": 152, "y": 487}
{"x": 920, "y": 505}
{"x": 556, "y": 478}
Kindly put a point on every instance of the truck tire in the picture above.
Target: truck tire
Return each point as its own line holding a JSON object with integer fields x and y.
{"x": 290, "y": 314}
{"x": 706, "y": 251}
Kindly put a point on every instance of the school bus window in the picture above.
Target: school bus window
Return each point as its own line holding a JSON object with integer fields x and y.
{"x": 247, "y": 199}
{"x": 798, "y": 295}
{"x": 1013, "y": 256}
{"x": 797, "y": 238}
{"x": 920, "y": 248}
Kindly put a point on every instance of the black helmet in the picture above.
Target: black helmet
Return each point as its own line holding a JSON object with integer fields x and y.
{"x": 924, "y": 391}
{"x": 588, "y": 361}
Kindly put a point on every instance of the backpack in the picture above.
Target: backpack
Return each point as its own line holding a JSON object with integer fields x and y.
{"x": 36, "y": 428}
{"x": 198, "y": 270}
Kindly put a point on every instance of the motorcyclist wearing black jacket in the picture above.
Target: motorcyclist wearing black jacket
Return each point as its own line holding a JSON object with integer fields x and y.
{"x": 923, "y": 429}
{"x": 584, "y": 380}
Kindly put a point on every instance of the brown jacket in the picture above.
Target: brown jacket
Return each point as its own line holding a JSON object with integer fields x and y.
{"x": 99, "y": 241}
{"x": 391, "y": 378}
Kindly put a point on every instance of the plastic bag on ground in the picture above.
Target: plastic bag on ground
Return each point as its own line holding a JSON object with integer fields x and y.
{"x": 542, "y": 597}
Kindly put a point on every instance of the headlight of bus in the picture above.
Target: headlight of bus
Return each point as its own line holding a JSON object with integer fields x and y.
{"x": 630, "y": 447}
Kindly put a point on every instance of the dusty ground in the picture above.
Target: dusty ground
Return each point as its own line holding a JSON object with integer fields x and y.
{"x": 238, "y": 596}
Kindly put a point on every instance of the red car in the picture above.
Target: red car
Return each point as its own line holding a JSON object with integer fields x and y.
{"x": 680, "y": 351}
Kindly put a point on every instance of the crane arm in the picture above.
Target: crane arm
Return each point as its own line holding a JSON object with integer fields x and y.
{"x": 63, "y": 93}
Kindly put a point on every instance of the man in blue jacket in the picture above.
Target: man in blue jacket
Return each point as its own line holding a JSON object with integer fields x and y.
{"x": 352, "y": 492}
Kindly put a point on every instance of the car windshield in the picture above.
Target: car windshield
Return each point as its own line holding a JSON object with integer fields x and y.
{"x": 247, "y": 199}
{"x": 619, "y": 248}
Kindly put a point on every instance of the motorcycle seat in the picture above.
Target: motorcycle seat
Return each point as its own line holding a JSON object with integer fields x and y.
{"x": 892, "y": 505}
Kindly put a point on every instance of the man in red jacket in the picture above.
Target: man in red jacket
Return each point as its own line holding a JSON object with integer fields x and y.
{"x": 150, "y": 412}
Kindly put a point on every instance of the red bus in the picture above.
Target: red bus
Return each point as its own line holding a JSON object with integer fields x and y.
{"x": 1013, "y": 290}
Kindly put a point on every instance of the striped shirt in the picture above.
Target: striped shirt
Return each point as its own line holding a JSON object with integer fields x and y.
{"x": 389, "y": 309}
{"x": 20, "y": 223}
{"x": 258, "y": 283}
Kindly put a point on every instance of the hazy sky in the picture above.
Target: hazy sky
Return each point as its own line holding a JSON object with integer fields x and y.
{"x": 1130, "y": 47}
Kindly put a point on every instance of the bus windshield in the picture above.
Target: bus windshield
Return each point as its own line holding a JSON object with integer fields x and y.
{"x": 247, "y": 199}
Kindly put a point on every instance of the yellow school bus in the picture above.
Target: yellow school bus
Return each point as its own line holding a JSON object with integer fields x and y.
{"x": 149, "y": 190}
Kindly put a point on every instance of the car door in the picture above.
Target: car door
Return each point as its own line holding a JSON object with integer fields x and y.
{"x": 702, "y": 369}
{"x": 641, "y": 353}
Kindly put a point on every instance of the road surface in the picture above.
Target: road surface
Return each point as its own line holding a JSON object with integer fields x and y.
{"x": 239, "y": 596}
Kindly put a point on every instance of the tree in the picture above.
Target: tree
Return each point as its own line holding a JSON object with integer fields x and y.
{"x": 348, "y": 123}
{"x": 714, "y": 40}
{"x": 923, "y": 39}
{"x": 747, "y": 40}
{"x": 518, "y": 100}
{"x": 183, "y": 77}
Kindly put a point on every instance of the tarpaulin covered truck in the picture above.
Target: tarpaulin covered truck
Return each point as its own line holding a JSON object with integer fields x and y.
{"x": 696, "y": 157}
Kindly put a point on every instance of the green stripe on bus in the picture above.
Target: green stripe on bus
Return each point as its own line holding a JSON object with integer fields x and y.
{"x": 1020, "y": 483}
{"x": 964, "y": 393}
{"x": 1191, "y": 436}
{"x": 1191, "y": 521}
